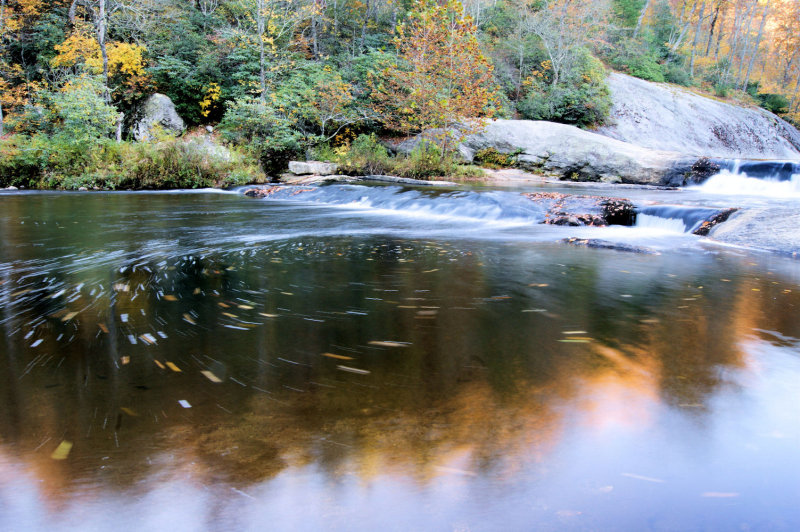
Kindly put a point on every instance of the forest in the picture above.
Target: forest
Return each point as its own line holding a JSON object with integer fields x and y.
{"x": 281, "y": 79}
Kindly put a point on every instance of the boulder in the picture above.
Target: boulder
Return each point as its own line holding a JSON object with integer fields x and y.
{"x": 572, "y": 153}
{"x": 156, "y": 113}
{"x": 766, "y": 228}
{"x": 312, "y": 168}
{"x": 666, "y": 117}
{"x": 577, "y": 209}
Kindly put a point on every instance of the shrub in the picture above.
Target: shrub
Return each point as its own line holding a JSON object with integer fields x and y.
{"x": 366, "y": 156}
{"x": 677, "y": 74}
{"x": 582, "y": 98}
{"x": 491, "y": 158}
{"x": 776, "y": 103}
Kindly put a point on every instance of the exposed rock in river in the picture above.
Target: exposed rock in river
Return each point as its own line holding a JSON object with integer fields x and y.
{"x": 769, "y": 228}
{"x": 575, "y": 210}
{"x": 665, "y": 117}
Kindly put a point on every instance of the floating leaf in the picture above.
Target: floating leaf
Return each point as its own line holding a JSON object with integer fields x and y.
{"x": 69, "y": 316}
{"x": 173, "y": 367}
{"x": 187, "y": 318}
{"x": 103, "y": 327}
{"x": 129, "y": 411}
{"x": 169, "y": 297}
{"x": 62, "y": 451}
{"x": 353, "y": 370}
{"x": 245, "y": 307}
{"x": 159, "y": 364}
{"x": 210, "y": 376}
{"x": 380, "y": 343}
{"x": 125, "y": 360}
{"x": 339, "y": 357}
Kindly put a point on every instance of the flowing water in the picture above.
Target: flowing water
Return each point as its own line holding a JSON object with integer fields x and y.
{"x": 362, "y": 358}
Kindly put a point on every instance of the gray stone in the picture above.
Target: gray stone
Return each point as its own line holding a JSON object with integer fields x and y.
{"x": 312, "y": 168}
{"x": 572, "y": 153}
{"x": 769, "y": 228}
{"x": 157, "y": 113}
{"x": 665, "y": 117}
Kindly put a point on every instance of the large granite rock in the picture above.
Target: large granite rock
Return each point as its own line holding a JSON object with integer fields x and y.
{"x": 665, "y": 117}
{"x": 156, "y": 113}
{"x": 768, "y": 228}
{"x": 571, "y": 153}
{"x": 312, "y": 168}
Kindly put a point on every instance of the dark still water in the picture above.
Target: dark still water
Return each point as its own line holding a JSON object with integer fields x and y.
{"x": 214, "y": 362}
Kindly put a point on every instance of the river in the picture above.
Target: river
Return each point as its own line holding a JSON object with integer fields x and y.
{"x": 362, "y": 358}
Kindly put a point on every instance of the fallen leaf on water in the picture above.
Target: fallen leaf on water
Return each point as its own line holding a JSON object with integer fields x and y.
{"x": 196, "y": 292}
{"x": 189, "y": 319}
{"x": 170, "y": 297}
{"x": 228, "y": 314}
{"x": 159, "y": 364}
{"x": 62, "y": 451}
{"x": 353, "y": 370}
{"x": 173, "y": 367}
{"x": 69, "y": 316}
{"x": 223, "y": 305}
{"x": 339, "y": 357}
{"x": 210, "y": 376}
{"x": 125, "y": 360}
{"x": 129, "y": 411}
{"x": 103, "y": 327}
{"x": 388, "y": 343}
{"x": 148, "y": 338}
{"x": 245, "y": 307}
{"x": 572, "y": 333}
{"x": 268, "y": 315}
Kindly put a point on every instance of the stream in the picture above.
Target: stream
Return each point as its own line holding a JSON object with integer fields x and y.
{"x": 359, "y": 357}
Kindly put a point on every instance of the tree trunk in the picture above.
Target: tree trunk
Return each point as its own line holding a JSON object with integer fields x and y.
{"x": 260, "y": 23}
{"x": 720, "y": 33}
{"x": 747, "y": 37}
{"x": 641, "y": 18}
{"x": 2, "y": 22}
{"x": 364, "y": 27}
{"x": 697, "y": 29}
{"x": 711, "y": 30}
{"x": 755, "y": 48}
{"x": 101, "y": 40}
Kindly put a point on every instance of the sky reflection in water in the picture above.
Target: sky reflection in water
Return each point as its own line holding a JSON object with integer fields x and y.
{"x": 376, "y": 381}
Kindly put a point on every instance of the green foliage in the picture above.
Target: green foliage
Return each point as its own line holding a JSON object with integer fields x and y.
{"x": 776, "y": 103}
{"x": 638, "y": 58}
{"x": 53, "y": 162}
{"x": 365, "y": 156}
{"x": 79, "y": 112}
{"x": 267, "y": 135}
{"x": 581, "y": 98}
{"x": 677, "y": 74}
{"x": 627, "y": 11}
{"x": 427, "y": 160}
{"x": 491, "y": 158}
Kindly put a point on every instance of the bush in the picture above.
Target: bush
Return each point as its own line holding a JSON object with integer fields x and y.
{"x": 366, "y": 156}
{"x": 581, "y": 98}
{"x": 257, "y": 127}
{"x": 491, "y": 158}
{"x": 677, "y": 74}
{"x": 776, "y": 103}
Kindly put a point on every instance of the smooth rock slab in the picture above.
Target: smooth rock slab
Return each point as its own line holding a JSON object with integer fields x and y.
{"x": 666, "y": 117}
{"x": 312, "y": 168}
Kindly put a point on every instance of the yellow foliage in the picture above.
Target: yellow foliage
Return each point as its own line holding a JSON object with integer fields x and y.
{"x": 81, "y": 47}
{"x": 213, "y": 92}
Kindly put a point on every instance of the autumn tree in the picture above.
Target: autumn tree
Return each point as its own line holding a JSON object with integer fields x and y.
{"x": 440, "y": 78}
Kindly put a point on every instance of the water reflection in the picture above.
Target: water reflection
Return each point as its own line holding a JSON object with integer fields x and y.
{"x": 444, "y": 383}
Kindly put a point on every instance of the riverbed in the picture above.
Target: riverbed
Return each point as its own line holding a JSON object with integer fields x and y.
{"x": 380, "y": 357}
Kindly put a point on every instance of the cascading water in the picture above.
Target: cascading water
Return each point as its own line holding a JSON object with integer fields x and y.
{"x": 487, "y": 206}
{"x": 673, "y": 218}
{"x": 779, "y": 179}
